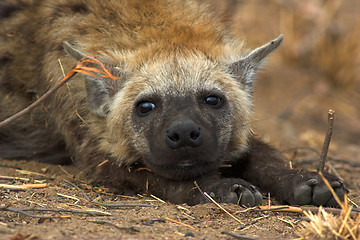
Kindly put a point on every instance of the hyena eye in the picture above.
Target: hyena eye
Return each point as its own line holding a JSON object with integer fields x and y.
{"x": 213, "y": 101}
{"x": 144, "y": 108}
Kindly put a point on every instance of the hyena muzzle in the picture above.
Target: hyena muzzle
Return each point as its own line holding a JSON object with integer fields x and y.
{"x": 179, "y": 112}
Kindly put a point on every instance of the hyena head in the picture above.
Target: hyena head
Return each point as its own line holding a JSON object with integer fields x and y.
{"x": 181, "y": 114}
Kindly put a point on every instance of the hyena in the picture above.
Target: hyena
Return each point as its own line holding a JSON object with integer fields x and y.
{"x": 180, "y": 111}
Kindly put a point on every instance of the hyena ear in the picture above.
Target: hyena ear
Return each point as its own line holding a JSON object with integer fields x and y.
{"x": 245, "y": 69}
{"x": 98, "y": 89}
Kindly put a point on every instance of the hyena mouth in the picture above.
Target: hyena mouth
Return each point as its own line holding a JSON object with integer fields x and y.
{"x": 187, "y": 164}
{"x": 184, "y": 169}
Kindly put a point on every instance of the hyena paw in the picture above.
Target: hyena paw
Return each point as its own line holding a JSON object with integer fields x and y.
{"x": 309, "y": 188}
{"x": 236, "y": 191}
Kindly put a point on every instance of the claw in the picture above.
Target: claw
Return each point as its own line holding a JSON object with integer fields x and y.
{"x": 258, "y": 198}
{"x": 310, "y": 189}
{"x": 335, "y": 184}
{"x": 312, "y": 182}
{"x": 234, "y": 187}
{"x": 247, "y": 198}
{"x": 241, "y": 188}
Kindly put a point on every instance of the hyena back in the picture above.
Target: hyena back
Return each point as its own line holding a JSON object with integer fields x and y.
{"x": 180, "y": 109}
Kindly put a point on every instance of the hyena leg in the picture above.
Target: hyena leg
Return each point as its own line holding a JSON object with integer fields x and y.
{"x": 29, "y": 137}
{"x": 267, "y": 169}
{"x": 230, "y": 190}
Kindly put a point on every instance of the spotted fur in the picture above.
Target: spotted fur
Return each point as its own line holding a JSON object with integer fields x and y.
{"x": 175, "y": 57}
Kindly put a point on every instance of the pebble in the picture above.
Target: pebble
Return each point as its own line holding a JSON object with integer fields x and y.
{"x": 189, "y": 234}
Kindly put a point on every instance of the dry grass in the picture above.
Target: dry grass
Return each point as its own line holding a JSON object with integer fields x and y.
{"x": 325, "y": 225}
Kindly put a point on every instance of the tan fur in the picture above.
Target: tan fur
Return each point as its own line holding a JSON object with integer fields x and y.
{"x": 154, "y": 77}
{"x": 145, "y": 39}
{"x": 181, "y": 107}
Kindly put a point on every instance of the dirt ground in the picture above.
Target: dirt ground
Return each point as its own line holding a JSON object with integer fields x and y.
{"x": 292, "y": 96}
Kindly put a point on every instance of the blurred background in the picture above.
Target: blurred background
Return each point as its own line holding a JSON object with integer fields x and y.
{"x": 317, "y": 68}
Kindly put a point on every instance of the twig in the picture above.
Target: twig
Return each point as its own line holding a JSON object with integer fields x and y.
{"x": 4, "y": 224}
{"x": 198, "y": 187}
{"x": 25, "y": 210}
{"x": 158, "y": 199}
{"x": 331, "y": 116}
{"x": 217, "y": 204}
{"x": 37, "y": 102}
{"x": 332, "y": 190}
{"x": 102, "y": 163}
{"x": 180, "y": 223}
{"x": 23, "y": 187}
{"x": 25, "y": 172}
{"x": 335, "y": 211}
{"x": 61, "y": 67}
{"x": 82, "y": 67}
{"x": 237, "y": 236}
{"x": 248, "y": 225}
{"x": 279, "y": 209}
{"x": 21, "y": 211}
{"x": 110, "y": 204}
{"x": 285, "y": 208}
{"x": 352, "y": 202}
{"x": 115, "y": 225}
{"x": 14, "y": 178}
{"x": 287, "y": 222}
{"x": 62, "y": 169}
{"x": 67, "y": 196}
{"x": 247, "y": 210}
{"x": 336, "y": 160}
{"x": 152, "y": 221}
{"x": 92, "y": 213}
{"x": 184, "y": 209}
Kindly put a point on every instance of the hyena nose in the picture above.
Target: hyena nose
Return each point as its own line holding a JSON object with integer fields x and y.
{"x": 183, "y": 133}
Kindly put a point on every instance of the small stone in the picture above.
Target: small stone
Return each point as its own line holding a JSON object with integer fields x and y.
{"x": 189, "y": 234}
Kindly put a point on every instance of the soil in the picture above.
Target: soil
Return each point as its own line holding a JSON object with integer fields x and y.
{"x": 205, "y": 221}
{"x": 291, "y": 103}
